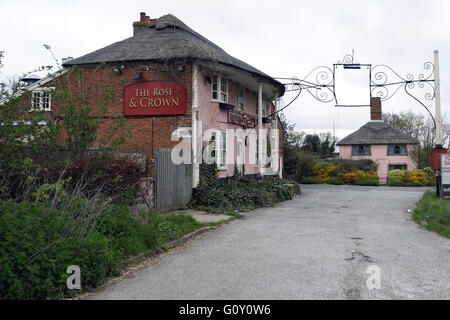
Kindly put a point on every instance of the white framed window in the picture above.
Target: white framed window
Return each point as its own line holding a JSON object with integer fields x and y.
{"x": 240, "y": 146}
{"x": 219, "y": 148}
{"x": 241, "y": 99}
{"x": 41, "y": 99}
{"x": 219, "y": 89}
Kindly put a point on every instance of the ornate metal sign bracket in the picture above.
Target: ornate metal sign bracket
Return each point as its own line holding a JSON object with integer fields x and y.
{"x": 384, "y": 82}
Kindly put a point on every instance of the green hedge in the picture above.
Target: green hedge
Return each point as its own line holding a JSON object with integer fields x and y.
{"x": 236, "y": 193}
{"x": 37, "y": 245}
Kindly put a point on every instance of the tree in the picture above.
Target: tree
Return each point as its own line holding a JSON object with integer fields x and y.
{"x": 422, "y": 130}
{"x": 323, "y": 144}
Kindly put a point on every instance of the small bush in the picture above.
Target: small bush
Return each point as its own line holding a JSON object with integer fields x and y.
{"x": 431, "y": 176}
{"x": 395, "y": 177}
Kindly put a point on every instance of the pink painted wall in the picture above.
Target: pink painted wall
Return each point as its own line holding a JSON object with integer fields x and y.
{"x": 213, "y": 117}
{"x": 379, "y": 154}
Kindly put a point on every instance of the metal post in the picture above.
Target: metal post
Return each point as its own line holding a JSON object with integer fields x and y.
{"x": 194, "y": 131}
{"x": 260, "y": 102}
{"x": 437, "y": 89}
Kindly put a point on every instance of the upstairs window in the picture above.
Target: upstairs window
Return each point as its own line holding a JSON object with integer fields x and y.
{"x": 241, "y": 99}
{"x": 361, "y": 150}
{"x": 397, "y": 150}
{"x": 219, "y": 89}
{"x": 41, "y": 99}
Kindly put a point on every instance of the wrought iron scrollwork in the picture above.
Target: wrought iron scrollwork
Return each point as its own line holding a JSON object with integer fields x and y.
{"x": 384, "y": 82}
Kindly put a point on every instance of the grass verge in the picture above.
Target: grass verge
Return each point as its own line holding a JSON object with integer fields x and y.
{"x": 433, "y": 213}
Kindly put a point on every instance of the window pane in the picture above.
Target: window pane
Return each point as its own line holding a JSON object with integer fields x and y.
{"x": 36, "y": 101}
{"x": 46, "y": 101}
{"x": 241, "y": 99}
{"x": 214, "y": 88}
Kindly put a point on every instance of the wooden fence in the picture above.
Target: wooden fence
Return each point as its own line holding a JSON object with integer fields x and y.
{"x": 173, "y": 182}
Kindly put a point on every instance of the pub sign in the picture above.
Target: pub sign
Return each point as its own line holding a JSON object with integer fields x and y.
{"x": 154, "y": 98}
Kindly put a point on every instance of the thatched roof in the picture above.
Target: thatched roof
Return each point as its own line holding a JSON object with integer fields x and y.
{"x": 376, "y": 132}
{"x": 167, "y": 38}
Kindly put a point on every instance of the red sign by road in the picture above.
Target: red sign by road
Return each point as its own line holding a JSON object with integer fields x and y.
{"x": 154, "y": 98}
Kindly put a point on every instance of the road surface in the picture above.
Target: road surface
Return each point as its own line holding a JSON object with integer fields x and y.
{"x": 318, "y": 246}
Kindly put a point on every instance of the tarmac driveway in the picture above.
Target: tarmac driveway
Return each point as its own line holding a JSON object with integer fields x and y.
{"x": 317, "y": 246}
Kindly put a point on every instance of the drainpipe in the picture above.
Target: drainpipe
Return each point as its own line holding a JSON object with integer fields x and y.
{"x": 194, "y": 131}
{"x": 260, "y": 102}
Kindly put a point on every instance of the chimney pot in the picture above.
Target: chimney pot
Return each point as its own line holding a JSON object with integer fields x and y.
{"x": 141, "y": 25}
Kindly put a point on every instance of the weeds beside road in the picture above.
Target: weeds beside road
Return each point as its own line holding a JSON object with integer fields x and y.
{"x": 433, "y": 213}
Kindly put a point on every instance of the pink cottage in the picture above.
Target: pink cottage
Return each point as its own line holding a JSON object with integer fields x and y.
{"x": 377, "y": 141}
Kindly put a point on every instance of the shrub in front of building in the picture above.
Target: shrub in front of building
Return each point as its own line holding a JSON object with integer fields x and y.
{"x": 237, "y": 193}
{"x": 39, "y": 243}
{"x": 343, "y": 171}
{"x": 417, "y": 178}
{"x": 395, "y": 177}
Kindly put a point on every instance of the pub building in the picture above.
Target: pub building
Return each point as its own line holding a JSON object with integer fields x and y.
{"x": 168, "y": 77}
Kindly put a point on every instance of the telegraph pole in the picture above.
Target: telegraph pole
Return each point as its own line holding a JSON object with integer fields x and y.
{"x": 437, "y": 90}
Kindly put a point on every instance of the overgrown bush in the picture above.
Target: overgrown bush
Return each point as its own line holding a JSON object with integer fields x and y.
{"x": 37, "y": 244}
{"x": 236, "y": 193}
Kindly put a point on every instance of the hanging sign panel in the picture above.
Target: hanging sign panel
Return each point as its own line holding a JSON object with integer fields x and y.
{"x": 154, "y": 98}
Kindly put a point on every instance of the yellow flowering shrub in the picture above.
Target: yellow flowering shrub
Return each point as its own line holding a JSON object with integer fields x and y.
{"x": 415, "y": 178}
{"x": 351, "y": 177}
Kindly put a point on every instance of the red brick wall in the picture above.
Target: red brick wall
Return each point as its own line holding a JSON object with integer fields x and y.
{"x": 148, "y": 133}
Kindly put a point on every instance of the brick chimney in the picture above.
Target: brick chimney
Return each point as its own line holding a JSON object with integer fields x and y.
{"x": 141, "y": 25}
{"x": 375, "y": 109}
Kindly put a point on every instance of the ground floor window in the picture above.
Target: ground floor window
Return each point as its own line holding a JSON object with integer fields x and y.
{"x": 219, "y": 148}
{"x": 397, "y": 167}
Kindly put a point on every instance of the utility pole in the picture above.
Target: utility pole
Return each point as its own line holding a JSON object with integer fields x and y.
{"x": 437, "y": 90}
{"x": 438, "y": 149}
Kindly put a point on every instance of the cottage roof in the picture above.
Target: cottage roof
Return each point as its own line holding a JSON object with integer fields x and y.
{"x": 376, "y": 132}
{"x": 168, "y": 38}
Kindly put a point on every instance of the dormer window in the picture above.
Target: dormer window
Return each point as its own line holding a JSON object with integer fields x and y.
{"x": 219, "y": 89}
{"x": 41, "y": 99}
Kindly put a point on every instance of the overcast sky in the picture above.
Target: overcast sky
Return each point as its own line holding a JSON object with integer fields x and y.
{"x": 281, "y": 38}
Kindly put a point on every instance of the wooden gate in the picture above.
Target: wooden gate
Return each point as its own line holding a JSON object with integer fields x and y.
{"x": 173, "y": 182}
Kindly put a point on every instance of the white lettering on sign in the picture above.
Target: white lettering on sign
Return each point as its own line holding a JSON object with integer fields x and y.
{"x": 445, "y": 168}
